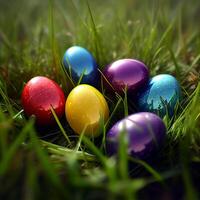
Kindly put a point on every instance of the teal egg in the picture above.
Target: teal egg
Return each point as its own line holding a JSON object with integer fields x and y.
{"x": 160, "y": 96}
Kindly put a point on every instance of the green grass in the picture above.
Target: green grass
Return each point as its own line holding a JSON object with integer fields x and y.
{"x": 54, "y": 163}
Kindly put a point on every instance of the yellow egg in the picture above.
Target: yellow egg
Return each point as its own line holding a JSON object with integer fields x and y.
{"x": 85, "y": 109}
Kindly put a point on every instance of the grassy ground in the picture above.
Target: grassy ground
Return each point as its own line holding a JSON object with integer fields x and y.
{"x": 40, "y": 163}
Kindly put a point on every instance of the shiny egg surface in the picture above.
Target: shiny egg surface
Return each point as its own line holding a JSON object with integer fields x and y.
{"x": 38, "y": 95}
{"x": 81, "y": 65}
{"x": 85, "y": 109}
{"x": 126, "y": 73}
{"x": 160, "y": 96}
{"x": 144, "y": 132}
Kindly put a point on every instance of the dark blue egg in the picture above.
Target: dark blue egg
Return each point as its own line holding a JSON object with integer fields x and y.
{"x": 160, "y": 96}
{"x": 81, "y": 65}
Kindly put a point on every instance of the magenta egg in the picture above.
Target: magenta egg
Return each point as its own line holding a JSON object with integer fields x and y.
{"x": 126, "y": 73}
{"x": 144, "y": 131}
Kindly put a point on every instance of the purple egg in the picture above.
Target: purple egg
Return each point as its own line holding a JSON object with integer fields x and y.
{"x": 145, "y": 133}
{"x": 129, "y": 73}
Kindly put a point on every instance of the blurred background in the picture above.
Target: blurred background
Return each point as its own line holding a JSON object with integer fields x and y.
{"x": 28, "y": 25}
{"x": 31, "y": 30}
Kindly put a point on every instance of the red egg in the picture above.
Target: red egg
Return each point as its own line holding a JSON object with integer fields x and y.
{"x": 38, "y": 95}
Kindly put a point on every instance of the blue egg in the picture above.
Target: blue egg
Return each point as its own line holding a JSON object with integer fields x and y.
{"x": 81, "y": 65}
{"x": 160, "y": 96}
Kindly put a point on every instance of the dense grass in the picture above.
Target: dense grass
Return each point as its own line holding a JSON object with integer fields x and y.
{"x": 54, "y": 163}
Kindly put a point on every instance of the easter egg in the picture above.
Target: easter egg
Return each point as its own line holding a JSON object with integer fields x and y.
{"x": 160, "y": 96}
{"x": 81, "y": 65}
{"x": 38, "y": 95}
{"x": 126, "y": 73}
{"x": 85, "y": 109}
{"x": 144, "y": 133}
